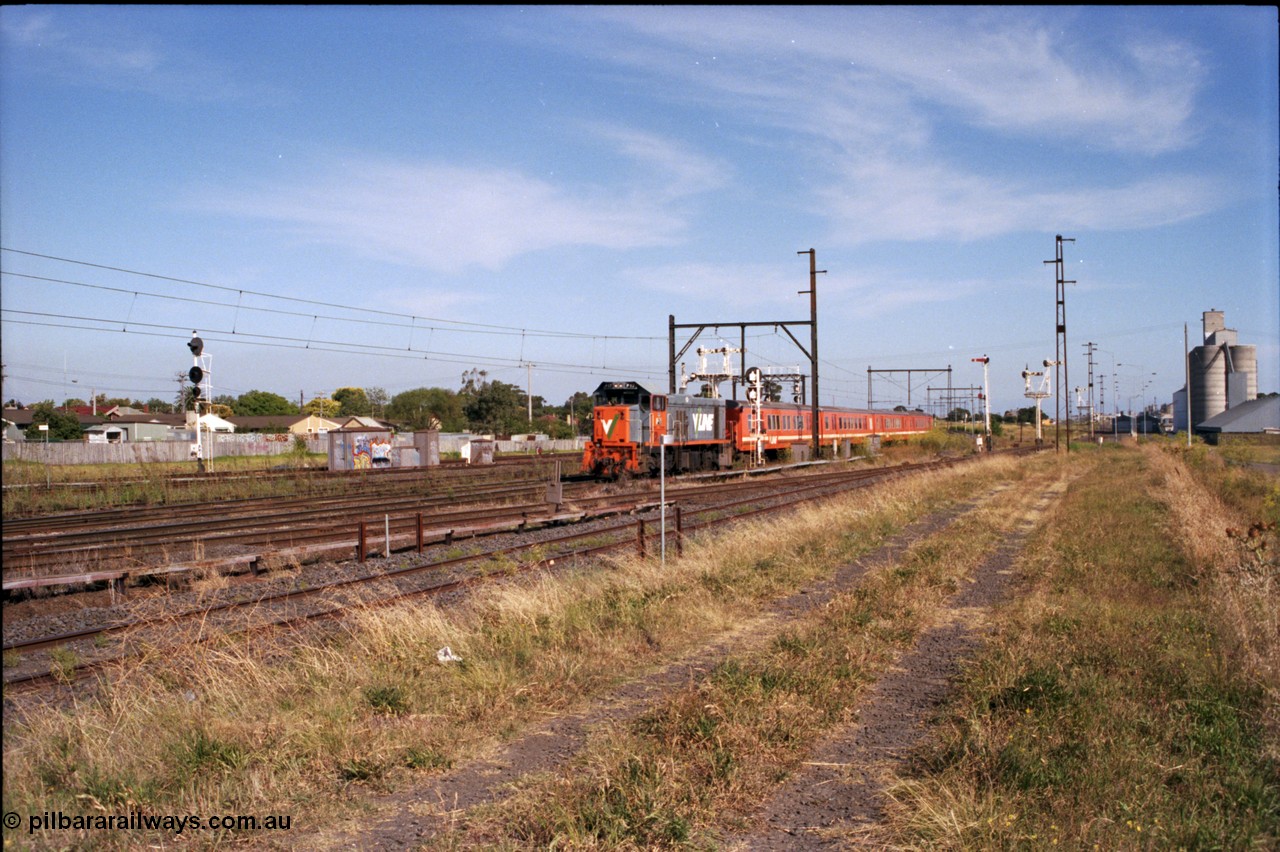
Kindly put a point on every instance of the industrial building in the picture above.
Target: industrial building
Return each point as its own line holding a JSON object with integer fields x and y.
{"x": 1223, "y": 374}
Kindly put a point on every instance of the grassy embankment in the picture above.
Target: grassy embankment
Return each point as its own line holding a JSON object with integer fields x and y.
{"x": 1132, "y": 697}
{"x": 1129, "y": 699}
{"x": 240, "y": 727}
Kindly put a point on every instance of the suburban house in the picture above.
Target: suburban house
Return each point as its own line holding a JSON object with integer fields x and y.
{"x": 303, "y": 426}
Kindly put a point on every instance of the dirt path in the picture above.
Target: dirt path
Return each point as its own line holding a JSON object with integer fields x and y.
{"x": 836, "y": 802}
{"x": 838, "y": 790}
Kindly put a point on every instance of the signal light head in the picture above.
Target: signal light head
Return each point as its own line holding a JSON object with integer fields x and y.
{"x": 195, "y": 344}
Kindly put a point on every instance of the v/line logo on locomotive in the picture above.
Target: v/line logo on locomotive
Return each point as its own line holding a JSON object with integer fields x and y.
{"x": 708, "y": 434}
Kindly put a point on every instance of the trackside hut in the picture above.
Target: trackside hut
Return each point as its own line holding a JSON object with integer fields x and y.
{"x": 360, "y": 449}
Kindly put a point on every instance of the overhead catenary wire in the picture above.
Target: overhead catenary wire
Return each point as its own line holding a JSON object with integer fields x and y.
{"x": 492, "y": 328}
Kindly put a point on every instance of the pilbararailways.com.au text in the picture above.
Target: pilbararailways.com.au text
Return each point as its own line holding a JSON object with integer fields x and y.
{"x": 134, "y": 821}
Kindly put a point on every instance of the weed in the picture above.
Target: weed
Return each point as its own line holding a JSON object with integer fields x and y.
{"x": 360, "y": 769}
{"x": 416, "y": 758}
{"x": 387, "y": 700}
{"x": 63, "y": 663}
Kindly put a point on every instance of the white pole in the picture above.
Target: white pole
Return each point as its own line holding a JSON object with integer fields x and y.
{"x": 1187, "y": 363}
{"x": 662, "y": 494}
{"x": 986, "y": 392}
{"x": 529, "y": 394}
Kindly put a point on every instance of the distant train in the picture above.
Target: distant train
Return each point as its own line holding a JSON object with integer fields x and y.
{"x": 632, "y": 421}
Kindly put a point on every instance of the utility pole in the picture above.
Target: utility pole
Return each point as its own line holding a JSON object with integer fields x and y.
{"x": 529, "y": 392}
{"x": 1060, "y": 345}
{"x": 1089, "y": 347}
{"x": 1187, "y": 365}
{"x": 813, "y": 344}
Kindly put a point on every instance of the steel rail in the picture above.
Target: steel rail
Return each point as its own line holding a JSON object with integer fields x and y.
{"x": 802, "y": 492}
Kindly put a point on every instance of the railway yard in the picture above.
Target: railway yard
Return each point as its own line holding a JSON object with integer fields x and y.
{"x": 84, "y": 583}
{"x": 393, "y": 658}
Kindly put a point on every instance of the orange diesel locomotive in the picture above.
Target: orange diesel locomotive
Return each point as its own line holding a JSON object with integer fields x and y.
{"x": 633, "y": 424}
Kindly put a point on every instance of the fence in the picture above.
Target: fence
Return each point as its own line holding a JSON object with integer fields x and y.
{"x": 143, "y": 452}
{"x": 223, "y": 445}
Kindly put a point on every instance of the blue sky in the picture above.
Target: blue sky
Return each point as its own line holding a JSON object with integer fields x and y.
{"x": 392, "y": 196}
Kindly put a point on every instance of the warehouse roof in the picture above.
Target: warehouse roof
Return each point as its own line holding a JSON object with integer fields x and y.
{"x": 1256, "y": 415}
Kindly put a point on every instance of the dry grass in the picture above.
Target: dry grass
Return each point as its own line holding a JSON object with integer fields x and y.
{"x": 702, "y": 759}
{"x": 1128, "y": 701}
{"x": 286, "y": 727}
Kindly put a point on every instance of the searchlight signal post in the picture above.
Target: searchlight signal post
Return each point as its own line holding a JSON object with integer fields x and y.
{"x": 200, "y": 392}
{"x": 1039, "y": 394}
{"x": 986, "y": 396}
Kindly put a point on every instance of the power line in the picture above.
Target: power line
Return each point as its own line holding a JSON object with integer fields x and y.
{"x": 240, "y": 292}
{"x": 285, "y": 342}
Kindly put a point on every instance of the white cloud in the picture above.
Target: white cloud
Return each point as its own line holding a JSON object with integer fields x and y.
{"x": 732, "y": 285}
{"x": 887, "y": 199}
{"x": 866, "y": 92}
{"x": 888, "y": 67}
{"x": 97, "y": 47}
{"x": 448, "y": 218}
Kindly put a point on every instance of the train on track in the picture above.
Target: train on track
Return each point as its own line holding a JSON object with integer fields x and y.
{"x": 634, "y": 423}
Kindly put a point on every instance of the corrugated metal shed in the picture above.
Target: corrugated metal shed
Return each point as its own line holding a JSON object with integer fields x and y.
{"x": 1253, "y": 417}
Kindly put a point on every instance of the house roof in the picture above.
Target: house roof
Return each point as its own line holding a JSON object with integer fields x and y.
{"x": 266, "y": 421}
{"x": 355, "y": 422}
{"x": 173, "y": 421}
{"x": 24, "y": 417}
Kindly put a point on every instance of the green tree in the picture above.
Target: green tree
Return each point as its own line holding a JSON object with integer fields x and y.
{"x": 352, "y": 402}
{"x": 62, "y": 426}
{"x": 322, "y": 407}
{"x": 427, "y": 408}
{"x": 183, "y": 401}
{"x": 260, "y": 403}
{"x": 496, "y": 407}
{"x": 378, "y": 401}
{"x": 579, "y": 407}
{"x": 158, "y": 406}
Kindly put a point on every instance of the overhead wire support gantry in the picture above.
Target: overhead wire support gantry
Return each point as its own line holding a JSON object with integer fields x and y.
{"x": 1060, "y": 346}
{"x": 810, "y": 352}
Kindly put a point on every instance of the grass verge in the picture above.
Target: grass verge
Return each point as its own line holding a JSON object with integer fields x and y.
{"x": 1129, "y": 701}
{"x": 250, "y": 727}
{"x": 699, "y": 763}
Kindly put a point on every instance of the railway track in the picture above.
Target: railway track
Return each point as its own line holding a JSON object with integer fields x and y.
{"x": 139, "y": 536}
{"x": 701, "y": 506}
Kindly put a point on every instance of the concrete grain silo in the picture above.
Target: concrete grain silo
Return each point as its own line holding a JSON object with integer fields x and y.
{"x": 1223, "y": 372}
